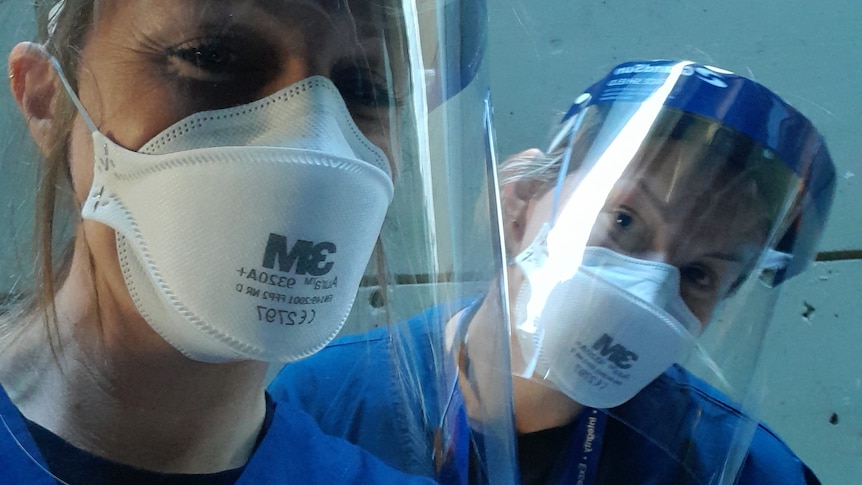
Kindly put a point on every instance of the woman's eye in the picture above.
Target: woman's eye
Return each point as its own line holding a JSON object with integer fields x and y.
{"x": 207, "y": 62}
{"x": 218, "y": 71}
{"x": 625, "y": 225}
{"x": 208, "y": 58}
{"x": 220, "y": 60}
{"x": 623, "y": 230}
{"x": 622, "y": 219}
{"x": 361, "y": 88}
{"x": 699, "y": 276}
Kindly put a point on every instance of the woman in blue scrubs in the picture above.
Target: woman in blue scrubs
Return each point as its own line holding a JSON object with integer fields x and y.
{"x": 214, "y": 176}
{"x": 645, "y": 247}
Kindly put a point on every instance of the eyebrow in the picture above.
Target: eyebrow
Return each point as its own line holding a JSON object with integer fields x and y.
{"x": 729, "y": 257}
{"x": 657, "y": 202}
{"x": 360, "y": 13}
{"x": 660, "y": 204}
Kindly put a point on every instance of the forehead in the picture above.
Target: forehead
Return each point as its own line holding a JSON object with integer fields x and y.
{"x": 369, "y": 17}
{"x": 689, "y": 173}
{"x": 708, "y": 195}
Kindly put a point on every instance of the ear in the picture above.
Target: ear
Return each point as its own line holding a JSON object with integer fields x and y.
{"x": 34, "y": 86}
{"x": 517, "y": 196}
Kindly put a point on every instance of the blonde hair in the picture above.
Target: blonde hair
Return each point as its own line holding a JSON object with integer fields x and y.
{"x": 61, "y": 27}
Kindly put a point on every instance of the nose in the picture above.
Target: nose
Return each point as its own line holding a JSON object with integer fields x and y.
{"x": 658, "y": 283}
{"x": 663, "y": 280}
{"x": 294, "y": 68}
{"x": 665, "y": 243}
{"x": 651, "y": 280}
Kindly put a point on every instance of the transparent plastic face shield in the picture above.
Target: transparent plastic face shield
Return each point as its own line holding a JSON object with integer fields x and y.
{"x": 646, "y": 249}
{"x": 381, "y": 110}
{"x": 443, "y": 260}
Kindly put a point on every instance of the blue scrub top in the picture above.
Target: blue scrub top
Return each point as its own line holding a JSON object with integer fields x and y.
{"x": 354, "y": 388}
{"x": 294, "y": 450}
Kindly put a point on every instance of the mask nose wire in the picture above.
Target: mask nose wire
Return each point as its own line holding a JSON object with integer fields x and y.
{"x": 75, "y": 100}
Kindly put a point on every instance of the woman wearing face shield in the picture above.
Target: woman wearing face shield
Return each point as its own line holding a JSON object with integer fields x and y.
{"x": 202, "y": 160}
{"x": 645, "y": 246}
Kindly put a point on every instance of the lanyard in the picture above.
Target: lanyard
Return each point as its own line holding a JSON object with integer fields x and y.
{"x": 452, "y": 438}
{"x": 579, "y": 465}
{"x": 452, "y": 443}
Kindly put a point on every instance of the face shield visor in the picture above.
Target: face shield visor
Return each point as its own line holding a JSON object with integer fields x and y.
{"x": 262, "y": 163}
{"x": 656, "y": 231}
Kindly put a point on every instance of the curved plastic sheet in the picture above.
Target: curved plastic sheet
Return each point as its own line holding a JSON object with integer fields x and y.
{"x": 647, "y": 244}
{"x": 247, "y": 155}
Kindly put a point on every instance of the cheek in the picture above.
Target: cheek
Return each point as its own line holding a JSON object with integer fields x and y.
{"x": 100, "y": 239}
{"x": 702, "y": 307}
{"x": 127, "y": 101}
{"x": 702, "y": 311}
{"x": 378, "y": 133}
{"x": 537, "y": 214}
{"x": 81, "y": 160}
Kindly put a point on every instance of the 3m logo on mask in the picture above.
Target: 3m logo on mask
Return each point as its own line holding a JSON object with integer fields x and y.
{"x": 308, "y": 257}
{"x": 615, "y": 353}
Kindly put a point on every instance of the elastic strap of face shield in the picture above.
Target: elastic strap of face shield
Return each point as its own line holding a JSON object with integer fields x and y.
{"x": 774, "y": 260}
{"x": 636, "y": 127}
{"x": 773, "y": 266}
{"x": 54, "y": 14}
{"x": 572, "y": 122}
{"x": 570, "y": 129}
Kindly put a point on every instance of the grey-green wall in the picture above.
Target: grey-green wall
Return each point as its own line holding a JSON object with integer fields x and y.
{"x": 16, "y": 170}
{"x": 543, "y": 53}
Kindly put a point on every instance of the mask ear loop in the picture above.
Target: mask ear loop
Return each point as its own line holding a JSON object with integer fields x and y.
{"x": 74, "y": 97}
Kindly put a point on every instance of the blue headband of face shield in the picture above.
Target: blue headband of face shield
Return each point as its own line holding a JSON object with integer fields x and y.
{"x": 461, "y": 48}
{"x": 750, "y": 109}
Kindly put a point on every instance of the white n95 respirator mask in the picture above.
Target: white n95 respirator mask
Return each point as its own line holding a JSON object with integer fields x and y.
{"x": 608, "y": 330}
{"x": 243, "y": 233}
